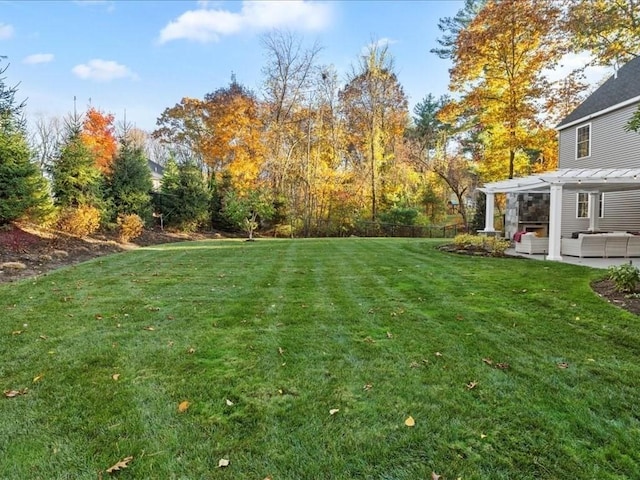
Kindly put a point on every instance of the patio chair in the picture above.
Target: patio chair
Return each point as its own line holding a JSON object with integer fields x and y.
{"x": 530, "y": 243}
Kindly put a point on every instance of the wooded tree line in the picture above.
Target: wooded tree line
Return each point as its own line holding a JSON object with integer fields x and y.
{"x": 318, "y": 153}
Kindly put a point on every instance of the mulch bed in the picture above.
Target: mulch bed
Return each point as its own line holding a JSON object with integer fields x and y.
{"x": 606, "y": 289}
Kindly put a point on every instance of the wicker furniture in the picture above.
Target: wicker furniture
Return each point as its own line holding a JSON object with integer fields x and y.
{"x": 530, "y": 243}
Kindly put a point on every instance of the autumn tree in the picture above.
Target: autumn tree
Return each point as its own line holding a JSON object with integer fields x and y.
{"x": 23, "y": 190}
{"x": 608, "y": 29}
{"x": 375, "y": 109}
{"x": 233, "y": 143}
{"x": 499, "y": 63}
{"x": 182, "y": 131}
{"x": 433, "y": 141}
{"x": 98, "y": 134}
{"x": 287, "y": 93}
{"x": 130, "y": 179}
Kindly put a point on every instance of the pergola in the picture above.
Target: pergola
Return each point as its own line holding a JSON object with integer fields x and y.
{"x": 586, "y": 180}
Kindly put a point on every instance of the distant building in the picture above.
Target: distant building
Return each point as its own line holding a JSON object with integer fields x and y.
{"x": 157, "y": 171}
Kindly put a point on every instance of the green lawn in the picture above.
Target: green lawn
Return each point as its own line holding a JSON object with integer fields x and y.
{"x": 512, "y": 369}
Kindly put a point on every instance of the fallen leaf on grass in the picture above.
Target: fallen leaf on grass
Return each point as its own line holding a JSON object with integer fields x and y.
{"x": 281, "y": 350}
{"x": 488, "y": 361}
{"x": 98, "y": 316}
{"x": 410, "y": 422}
{"x": 184, "y": 406}
{"x": 389, "y": 335}
{"x": 191, "y": 350}
{"x": 115, "y": 376}
{"x": 37, "y": 378}
{"x": 223, "y": 462}
{"x": 333, "y": 411}
{"x": 124, "y": 463}
{"x": 15, "y": 393}
{"x": 229, "y": 403}
{"x": 472, "y": 385}
{"x": 438, "y": 354}
{"x": 563, "y": 365}
{"x": 16, "y": 332}
{"x": 151, "y": 329}
{"x": 367, "y": 387}
{"x": 482, "y": 435}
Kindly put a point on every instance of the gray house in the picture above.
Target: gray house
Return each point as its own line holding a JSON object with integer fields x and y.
{"x": 597, "y": 185}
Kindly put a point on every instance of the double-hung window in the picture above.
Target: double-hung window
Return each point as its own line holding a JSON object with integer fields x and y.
{"x": 583, "y": 141}
{"x": 582, "y": 208}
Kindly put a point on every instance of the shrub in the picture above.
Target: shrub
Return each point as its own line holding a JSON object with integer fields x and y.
{"x": 130, "y": 226}
{"x": 493, "y": 245}
{"x": 399, "y": 216}
{"x": 625, "y": 277}
{"x": 79, "y": 221}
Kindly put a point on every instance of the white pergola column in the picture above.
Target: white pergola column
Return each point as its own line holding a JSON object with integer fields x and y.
{"x": 489, "y": 212}
{"x": 555, "y": 222}
{"x": 594, "y": 211}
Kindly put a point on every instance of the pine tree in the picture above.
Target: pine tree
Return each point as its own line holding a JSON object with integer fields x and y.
{"x": 76, "y": 179}
{"x": 130, "y": 181}
{"x": 184, "y": 197}
{"x": 23, "y": 189}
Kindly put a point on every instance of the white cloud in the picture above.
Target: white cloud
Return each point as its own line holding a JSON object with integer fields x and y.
{"x": 38, "y": 58}
{"x": 102, "y": 71}
{"x": 6, "y": 31}
{"x": 573, "y": 61}
{"x": 208, "y": 25}
{"x": 380, "y": 43}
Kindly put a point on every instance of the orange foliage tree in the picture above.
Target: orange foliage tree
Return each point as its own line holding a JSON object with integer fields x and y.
{"x": 98, "y": 134}
{"x": 233, "y": 143}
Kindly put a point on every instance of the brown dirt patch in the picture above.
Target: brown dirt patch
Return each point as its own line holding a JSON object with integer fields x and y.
{"x": 27, "y": 252}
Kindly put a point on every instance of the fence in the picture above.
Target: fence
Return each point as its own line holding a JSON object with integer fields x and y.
{"x": 374, "y": 229}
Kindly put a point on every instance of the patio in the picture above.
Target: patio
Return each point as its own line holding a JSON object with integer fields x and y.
{"x": 603, "y": 263}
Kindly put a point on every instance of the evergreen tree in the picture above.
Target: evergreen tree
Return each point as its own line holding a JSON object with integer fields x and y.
{"x": 218, "y": 191}
{"x": 23, "y": 189}
{"x": 184, "y": 197}
{"x": 130, "y": 181}
{"x": 76, "y": 179}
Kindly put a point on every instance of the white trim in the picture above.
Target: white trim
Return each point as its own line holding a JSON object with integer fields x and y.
{"x": 617, "y": 106}
{"x": 590, "y": 136}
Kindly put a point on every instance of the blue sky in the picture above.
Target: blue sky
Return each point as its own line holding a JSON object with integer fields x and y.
{"x": 144, "y": 56}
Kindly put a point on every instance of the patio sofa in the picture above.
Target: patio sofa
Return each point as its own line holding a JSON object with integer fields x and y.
{"x": 530, "y": 243}
{"x": 603, "y": 245}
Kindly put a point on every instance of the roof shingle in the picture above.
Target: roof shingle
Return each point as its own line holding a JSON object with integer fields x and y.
{"x": 617, "y": 89}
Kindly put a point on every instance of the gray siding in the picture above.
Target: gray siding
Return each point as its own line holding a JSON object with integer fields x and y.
{"x": 621, "y": 213}
{"x": 569, "y": 221}
{"x": 611, "y": 145}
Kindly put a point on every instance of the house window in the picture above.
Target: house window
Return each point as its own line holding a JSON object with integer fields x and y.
{"x": 582, "y": 209}
{"x": 583, "y": 141}
{"x": 583, "y": 205}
